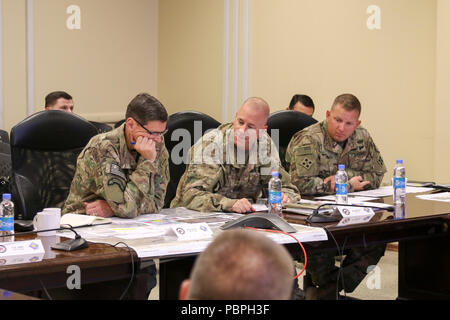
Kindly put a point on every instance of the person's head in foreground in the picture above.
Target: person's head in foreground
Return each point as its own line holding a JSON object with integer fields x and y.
{"x": 241, "y": 265}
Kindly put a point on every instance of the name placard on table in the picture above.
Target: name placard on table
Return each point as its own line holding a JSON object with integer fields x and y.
{"x": 21, "y": 252}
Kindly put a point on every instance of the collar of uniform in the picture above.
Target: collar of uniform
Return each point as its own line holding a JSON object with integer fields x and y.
{"x": 127, "y": 157}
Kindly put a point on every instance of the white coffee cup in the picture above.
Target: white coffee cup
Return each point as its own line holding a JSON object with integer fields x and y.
{"x": 55, "y": 210}
{"x": 47, "y": 220}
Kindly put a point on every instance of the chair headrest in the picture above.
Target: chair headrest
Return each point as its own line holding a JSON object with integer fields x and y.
{"x": 187, "y": 118}
{"x": 288, "y": 122}
{"x": 52, "y": 130}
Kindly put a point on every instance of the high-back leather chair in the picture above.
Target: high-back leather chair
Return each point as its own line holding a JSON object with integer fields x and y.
{"x": 119, "y": 123}
{"x": 5, "y": 147}
{"x": 4, "y": 137}
{"x": 44, "y": 151}
{"x": 5, "y": 173}
{"x": 101, "y": 127}
{"x": 288, "y": 123}
{"x": 195, "y": 124}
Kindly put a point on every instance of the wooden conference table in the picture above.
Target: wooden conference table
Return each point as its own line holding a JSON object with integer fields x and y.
{"x": 99, "y": 263}
{"x": 424, "y": 248}
{"x": 424, "y": 256}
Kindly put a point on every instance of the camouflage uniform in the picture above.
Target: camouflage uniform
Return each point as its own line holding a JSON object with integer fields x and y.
{"x": 313, "y": 156}
{"x": 216, "y": 176}
{"x": 107, "y": 170}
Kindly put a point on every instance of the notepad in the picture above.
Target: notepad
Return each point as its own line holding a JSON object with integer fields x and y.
{"x": 306, "y": 208}
{"x": 76, "y": 220}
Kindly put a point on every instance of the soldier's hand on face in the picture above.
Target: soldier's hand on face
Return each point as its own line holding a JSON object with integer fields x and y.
{"x": 146, "y": 148}
{"x": 357, "y": 183}
{"x": 242, "y": 206}
{"x": 285, "y": 198}
{"x": 99, "y": 208}
{"x": 332, "y": 181}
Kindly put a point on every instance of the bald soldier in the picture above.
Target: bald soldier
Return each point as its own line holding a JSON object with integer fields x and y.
{"x": 230, "y": 166}
{"x": 124, "y": 172}
{"x": 313, "y": 155}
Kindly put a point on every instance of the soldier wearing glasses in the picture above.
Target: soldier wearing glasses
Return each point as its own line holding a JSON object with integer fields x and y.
{"x": 124, "y": 172}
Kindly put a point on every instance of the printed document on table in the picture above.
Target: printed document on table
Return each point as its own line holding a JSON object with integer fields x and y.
{"x": 150, "y": 235}
{"x": 444, "y": 196}
{"x": 351, "y": 199}
{"x": 387, "y": 191}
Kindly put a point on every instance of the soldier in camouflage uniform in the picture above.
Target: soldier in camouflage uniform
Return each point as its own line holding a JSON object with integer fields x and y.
{"x": 124, "y": 172}
{"x": 232, "y": 164}
{"x": 314, "y": 154}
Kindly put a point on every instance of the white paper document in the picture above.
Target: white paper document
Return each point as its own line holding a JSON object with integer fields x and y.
{"x": 153, "y": 236}
{"x": 351, "y": 199}
{"x": 259, "y": 207}
{"x": 444, "y": 197}
{"x": 387, "y": 191}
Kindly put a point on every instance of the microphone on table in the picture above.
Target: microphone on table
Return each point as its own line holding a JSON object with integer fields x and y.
{"x": 317, "y": 217}
{"x": 68, "y": 245}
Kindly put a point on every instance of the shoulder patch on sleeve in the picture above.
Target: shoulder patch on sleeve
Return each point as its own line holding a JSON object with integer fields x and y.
{"x": 114, "y": 189}
{"x": 304, "y": 150}
{"x": 306, "y": 163}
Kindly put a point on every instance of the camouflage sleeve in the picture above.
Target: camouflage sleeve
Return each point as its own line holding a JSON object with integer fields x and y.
{"x": 143, "y": 191}
{"x": 303, "y": 156}
{"x": 197, "y": 186}
{"x": 373, "y": 169}
{"x": 288, "y": 188}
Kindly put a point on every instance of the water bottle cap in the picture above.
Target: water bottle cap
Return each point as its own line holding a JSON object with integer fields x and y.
{"x": 399, "y": 161}
{"x": 7, "y": 196}
{"x": 341, "y": 166}
{"x": 274, "y": 173}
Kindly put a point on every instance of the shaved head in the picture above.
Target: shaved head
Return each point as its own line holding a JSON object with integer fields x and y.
{"x": 257, "y": 105}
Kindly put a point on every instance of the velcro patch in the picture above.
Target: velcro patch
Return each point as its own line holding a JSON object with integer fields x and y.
{"x": 304, "y": 150}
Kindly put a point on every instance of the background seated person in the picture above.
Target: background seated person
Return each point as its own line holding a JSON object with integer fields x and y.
{"x": 124, "y": 172}
{"x": 302, "y": 103}
{"x": 314, "y": 154}
{"x": 59, "y": 100}
{"x": 232, "y": 164}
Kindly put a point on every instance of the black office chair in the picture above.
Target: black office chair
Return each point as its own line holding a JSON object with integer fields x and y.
{"x": 5, "y": 173}
{"x": 44, "y": 150}
{"x": 119, "y": 123}
{"x": 288, "y": 123}
{"x": 4, "y": 137}
{"x": 183, "y": 120}
{"x": 5, "y": 147}
{"x": 101, "y": 127}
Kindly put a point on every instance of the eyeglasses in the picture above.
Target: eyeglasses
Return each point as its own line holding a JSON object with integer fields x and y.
{"x": 152, "y": 133}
